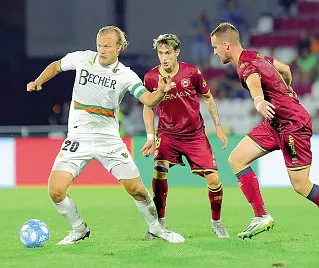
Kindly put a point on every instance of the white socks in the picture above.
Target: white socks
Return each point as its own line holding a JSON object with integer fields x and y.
{"x": 68, "y": 210}
{"x": 148, "y": 209}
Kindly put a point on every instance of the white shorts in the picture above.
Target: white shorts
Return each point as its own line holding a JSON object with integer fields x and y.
{"x": 78, "y": 150}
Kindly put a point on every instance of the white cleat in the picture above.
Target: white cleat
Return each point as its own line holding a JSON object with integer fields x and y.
{"x": 166, "y": 235}
{"x": 149, "y": 236}
{"x": 219, "y": 229}
{"x": 257, "y": 226}
{"x": 75, "y": 235}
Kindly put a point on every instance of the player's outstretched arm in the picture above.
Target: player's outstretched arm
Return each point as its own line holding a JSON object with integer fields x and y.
{"x": 212, "y": 108}
{"x": 49, "y": 72}
{"x": 149, "y": 146}
{"x": 284, "y": 71}
{"x": 152, "y": 99}
{"x": 265, "y": 108}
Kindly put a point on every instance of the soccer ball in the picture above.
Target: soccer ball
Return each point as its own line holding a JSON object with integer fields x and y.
{"x": 34, "y": 233}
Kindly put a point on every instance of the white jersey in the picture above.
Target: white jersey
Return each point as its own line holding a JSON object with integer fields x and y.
{"x": 98, "y": 92}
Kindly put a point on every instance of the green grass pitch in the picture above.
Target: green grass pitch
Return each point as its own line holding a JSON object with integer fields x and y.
{"x": 117, "y": 229}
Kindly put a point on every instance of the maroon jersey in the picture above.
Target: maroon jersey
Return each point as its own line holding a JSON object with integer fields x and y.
{"x": 178, "y": 112}
{"x": 290, "y": 115}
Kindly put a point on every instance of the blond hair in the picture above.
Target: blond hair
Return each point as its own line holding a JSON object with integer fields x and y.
{"x": 167, "y": 39}
{"x": 226, "y": 29}
{"x": 122, "y": 38}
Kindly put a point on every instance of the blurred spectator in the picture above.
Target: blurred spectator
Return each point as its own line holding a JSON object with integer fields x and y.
{"x": 201, "y": 47}
{"x": 314, "y": 44}
{"x": 233, "y": 14}
{"x": 307, "y": 63}
{"x": 229, "y": 85}
{"x": 283, "y": 8}
{"x": 287, "y": 5}
{"x": 303, "y": 41}
{"x": 277, "y": 10}
{"x": 133, "y": 123}
{"x": 59, "y": 115}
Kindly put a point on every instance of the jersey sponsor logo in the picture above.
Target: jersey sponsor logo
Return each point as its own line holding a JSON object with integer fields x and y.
{"x": 292, "y": 149}
{"x": 125, "y": 155}
{"x": 87, "y": 77}
{"x": 116, "y": 150}
{"x": 177, "y": 95}
{"x": 185, "y": 82}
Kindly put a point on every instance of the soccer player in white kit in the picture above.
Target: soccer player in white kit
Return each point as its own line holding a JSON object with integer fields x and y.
{"x": 93, "y": 130}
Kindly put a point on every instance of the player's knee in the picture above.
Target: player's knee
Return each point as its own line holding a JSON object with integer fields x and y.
{"x": 137, "y": 191}
{"x": 300, "y": 187}
{"x": 212, "y": 179}
{"x": 160, "y": 172}
{"x": 234, "y": 161}
{"x": 56, "y": 195}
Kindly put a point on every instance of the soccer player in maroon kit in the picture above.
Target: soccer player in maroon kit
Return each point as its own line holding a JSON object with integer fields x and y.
{"x": 181, "y": 128}
{"x": 287, "y": 126}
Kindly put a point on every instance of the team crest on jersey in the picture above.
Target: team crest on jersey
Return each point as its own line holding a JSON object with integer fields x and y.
{"x": 90, "y": 63}
{"x": 204, "y": 84}
{"x": 125, "y": 155}
{"x": 185, "y": 82}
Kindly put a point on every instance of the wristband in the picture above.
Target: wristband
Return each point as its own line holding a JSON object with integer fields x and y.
{"x": 150, "y": 137}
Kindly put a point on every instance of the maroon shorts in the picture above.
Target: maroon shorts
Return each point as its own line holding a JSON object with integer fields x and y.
{"x": 295, "y": 146}
{"x": 196, "y": 150}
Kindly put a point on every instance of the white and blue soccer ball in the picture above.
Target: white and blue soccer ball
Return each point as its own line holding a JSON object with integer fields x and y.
{"x": 34, "y": 233}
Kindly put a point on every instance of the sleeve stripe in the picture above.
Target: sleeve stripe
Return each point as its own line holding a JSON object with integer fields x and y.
{"x": 139, "y": 94}
{"x": 60, "y": 66}
{"x": 135, "y": 87}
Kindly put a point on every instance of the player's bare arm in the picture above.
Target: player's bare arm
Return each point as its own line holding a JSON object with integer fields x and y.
{"x": 265, "y": 108}
{"x": 212, "y": 108}
{"x": 49, "y": 72}
{"x": 284, "y": 71}
{"x": 148, "y": 117}
{"x": 152, "y": 99}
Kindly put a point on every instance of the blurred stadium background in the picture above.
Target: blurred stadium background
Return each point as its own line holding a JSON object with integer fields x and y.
{"x": 36, "y": 32}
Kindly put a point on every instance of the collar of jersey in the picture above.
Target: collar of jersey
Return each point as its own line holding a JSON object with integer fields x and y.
{"x": 110, "y": 66}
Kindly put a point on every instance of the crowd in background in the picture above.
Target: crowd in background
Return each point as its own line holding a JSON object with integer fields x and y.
{"x": 302, "y": 55}
{"x": 223, "y": 80}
